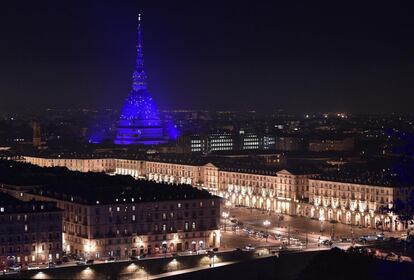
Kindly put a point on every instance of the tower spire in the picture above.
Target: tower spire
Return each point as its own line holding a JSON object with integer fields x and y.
{"x": 139, "y": 76}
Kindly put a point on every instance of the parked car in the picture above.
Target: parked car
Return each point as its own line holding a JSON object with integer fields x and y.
{"x": 110, "y": 259}
{"x": 90, "y": 261}
{"x": 249, "y": 247}
{"x": 51, "y": 265}
{"x": 327, "y": 242}
{"x": 367, "y": 238}
{"x": 15, "y": 268}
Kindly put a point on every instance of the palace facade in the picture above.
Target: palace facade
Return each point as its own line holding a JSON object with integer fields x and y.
{"x": 295, "y": 191}
{"x": 117, "y": 215}
{"x": 30, "y": 231}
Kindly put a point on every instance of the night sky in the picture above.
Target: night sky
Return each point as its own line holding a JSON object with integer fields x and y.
{"x": 263, "y": 55}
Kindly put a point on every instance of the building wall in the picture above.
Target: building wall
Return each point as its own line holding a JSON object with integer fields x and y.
{"x": 354, "y": 204}
{"x": 132, "y": 227}
{"x": 282, "y": 192}
{"x": 346, "y": 144}
{"x": 30, "y": 237}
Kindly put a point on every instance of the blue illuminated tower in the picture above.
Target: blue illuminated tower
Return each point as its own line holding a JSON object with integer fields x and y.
{"x": 139, "y": 121}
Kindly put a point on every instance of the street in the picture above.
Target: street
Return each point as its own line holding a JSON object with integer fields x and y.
{"x": 288, "y": 230}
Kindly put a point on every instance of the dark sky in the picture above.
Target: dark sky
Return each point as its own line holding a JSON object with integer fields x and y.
{"x": 295, "y": 55}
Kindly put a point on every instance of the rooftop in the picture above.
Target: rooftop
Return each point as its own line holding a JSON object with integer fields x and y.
{"x": 10, "y": 204}
{"x": 371, "y": 174}
{"x": 92, "y": 188}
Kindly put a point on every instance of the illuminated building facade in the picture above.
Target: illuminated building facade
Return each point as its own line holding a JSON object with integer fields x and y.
{"x": 118, "y": 216}
{"x": 293, "y": 192}
{"x": 140, "y": 122}
{"x": 278, "y": 191}
{"x": 360, "y": 204}
{"x": 225, "y": 141}
{"x": 30, "y": 232}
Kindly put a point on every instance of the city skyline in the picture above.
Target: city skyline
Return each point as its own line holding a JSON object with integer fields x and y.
{"x": 259, "y": 140}
{"x": 266, "y": 56}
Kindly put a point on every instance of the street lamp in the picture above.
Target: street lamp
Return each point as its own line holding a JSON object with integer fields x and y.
{"x": 212, "y": 260}
{"x": 278, "y": 217}
{"x": 266, "y": 223}
{"x": 352, "y": 236}
{"x": 321, "y": 219}
{"x": 225, "y": 216}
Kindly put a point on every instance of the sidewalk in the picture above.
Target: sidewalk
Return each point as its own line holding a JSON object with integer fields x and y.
{"x": 188, "y": 270}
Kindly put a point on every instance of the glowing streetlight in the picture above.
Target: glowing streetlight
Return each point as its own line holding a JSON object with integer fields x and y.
{"x": 212, "y": 260}
{"x": 266, "y": 223}
{"x": 225, "y": 216}
{"x": 321, "y": 219}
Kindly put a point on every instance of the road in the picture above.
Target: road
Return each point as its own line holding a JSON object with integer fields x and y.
{"x": 300, "y": 225}
{"x": 308, "y": 232}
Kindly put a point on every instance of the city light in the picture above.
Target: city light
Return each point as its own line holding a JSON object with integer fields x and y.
{"x": 267, "y": 223}
{"x": 301, "y": 145}
{"x": 225, "y": 216}
{"x": 140, "y": 122}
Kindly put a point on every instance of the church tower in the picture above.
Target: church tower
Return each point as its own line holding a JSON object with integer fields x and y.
{"x": 139, "y": 122}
